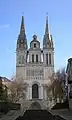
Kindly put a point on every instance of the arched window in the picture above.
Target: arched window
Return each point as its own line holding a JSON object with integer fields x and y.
{"x": 50, "y": 58}
{"x": 22, "y": 59}
{"x": 35, "y": 91}
{"x": 18, "y": 45}
{"x": 36, "y": 58}
{"x": 19, "y": 59}
{"x": 33, "y": 58}
{"x": 34, "y": 45}
{"x": 47, "y": 58}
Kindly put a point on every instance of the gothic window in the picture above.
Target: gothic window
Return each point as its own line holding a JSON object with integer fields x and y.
{"x": 36, "y": 58}
{"x": 19, "y": 59}
{"x": 33, "y": 58}
{"x": 35, "y": 91}
{"x": 50, "y": 58}
{"x": 34, "y": 45}
{"x": 43, "y": 57}
{"x": 25, "y": 45}
{"x": 47, "y": 58}
{"x": 17, "y": 45}
{"x": 22, "y": 59}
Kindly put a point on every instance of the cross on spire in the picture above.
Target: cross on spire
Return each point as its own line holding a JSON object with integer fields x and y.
{"x": 22, "y": 13}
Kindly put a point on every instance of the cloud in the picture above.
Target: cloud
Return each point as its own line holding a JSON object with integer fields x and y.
{"x": 4, "y": 26}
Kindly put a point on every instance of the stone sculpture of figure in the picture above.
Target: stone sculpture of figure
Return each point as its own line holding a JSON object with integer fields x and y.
{"x": 69, "y": 77}
{"x": 34, "y": 37}
{"x": 69, "y": 69}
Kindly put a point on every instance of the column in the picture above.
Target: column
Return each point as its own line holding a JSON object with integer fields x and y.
{"x": 30, "y": 91}
{"x": 41, "y": 91}
{"x": 45, "y": 94}
{"x": 27, "y": 95}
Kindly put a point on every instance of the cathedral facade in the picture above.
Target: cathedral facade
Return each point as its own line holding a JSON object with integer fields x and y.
{"x": 35, "y": 64}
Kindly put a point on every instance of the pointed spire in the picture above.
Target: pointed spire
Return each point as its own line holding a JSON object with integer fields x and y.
{"x": 22, "y": 25}
{"x": 22, "y": 36}
{"x": 46, "y": 40}
{"x": 22, "y": 30}
{"x": 47, "y": 33}
{"x": 46, "y": 29}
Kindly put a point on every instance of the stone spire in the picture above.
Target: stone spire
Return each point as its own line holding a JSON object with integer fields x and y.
{"x": 46, "y": 39}
{"x": 22, "y": 40}
{"x": 46, "y": 29}
{"x": 22, "y": 25}
{"x": 22, "y": 30}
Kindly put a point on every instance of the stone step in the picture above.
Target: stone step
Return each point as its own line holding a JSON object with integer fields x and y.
{"x": 11, "y": 115}
{"x": 36, "y": 114}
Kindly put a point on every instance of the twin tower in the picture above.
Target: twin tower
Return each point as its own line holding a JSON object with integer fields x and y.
{"x": 35, "y": 65}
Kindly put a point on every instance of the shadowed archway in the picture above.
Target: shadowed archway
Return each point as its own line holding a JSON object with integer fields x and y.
{"x": 35, "y": 106}
{"x": 35, "y": 91}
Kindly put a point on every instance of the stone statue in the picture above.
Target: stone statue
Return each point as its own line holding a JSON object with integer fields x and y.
{"x": 69, "y": 79}
{"x": 69, "y": 69}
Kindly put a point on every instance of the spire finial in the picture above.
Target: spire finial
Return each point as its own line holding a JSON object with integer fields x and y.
{"x": 46, "y": 15}
{"x": 46, "y": 18}
{"x": 22, "y": 22}
{"x": 22, "y": 13}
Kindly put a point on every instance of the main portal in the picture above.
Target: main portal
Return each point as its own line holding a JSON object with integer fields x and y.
{"x": 35, "y": 91}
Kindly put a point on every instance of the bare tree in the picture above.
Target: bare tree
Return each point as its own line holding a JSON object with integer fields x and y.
{"x": 17, "y": 89}
{"x": 57, "y": 87}
{"x": 49, "y": 87}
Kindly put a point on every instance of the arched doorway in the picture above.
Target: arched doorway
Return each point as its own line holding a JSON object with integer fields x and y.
{"x": 35, "y": 106}
{"x": 35, "y": 91}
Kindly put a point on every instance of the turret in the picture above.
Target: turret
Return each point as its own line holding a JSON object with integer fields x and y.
{"x": 21, "y": 50}
{"x": 47, "y": 40}
{"x": 52, "y": 46}
{"x": 35, "y": 51}
{"x": 48, "y": 49}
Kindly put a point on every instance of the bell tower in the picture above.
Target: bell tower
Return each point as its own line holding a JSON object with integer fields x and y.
{"x": 48, "y": 51}
{"x": 21, "y": 49}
